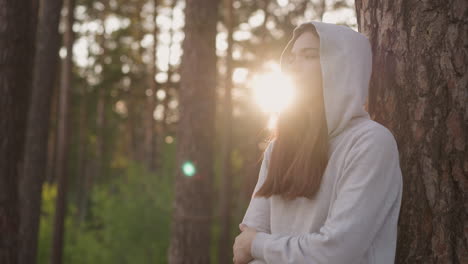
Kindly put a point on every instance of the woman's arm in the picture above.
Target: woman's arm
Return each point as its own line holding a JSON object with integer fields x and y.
{"x": 369, "y": 188}
{"x": 257, "y": 215}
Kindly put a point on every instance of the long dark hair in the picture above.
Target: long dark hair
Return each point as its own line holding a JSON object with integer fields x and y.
{"x": 300, "y": 152}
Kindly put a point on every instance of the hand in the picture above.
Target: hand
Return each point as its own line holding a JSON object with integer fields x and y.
{"x": 243, "y": 244}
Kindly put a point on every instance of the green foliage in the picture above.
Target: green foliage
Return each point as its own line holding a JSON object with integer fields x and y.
{"x": 128, "y": 221}
{"x": 49, "y": 193}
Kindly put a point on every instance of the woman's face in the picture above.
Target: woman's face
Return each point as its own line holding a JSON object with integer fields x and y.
{"x": 303, "y": 65}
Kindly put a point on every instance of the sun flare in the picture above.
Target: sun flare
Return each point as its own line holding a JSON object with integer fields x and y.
{"x": 273, "y": 91}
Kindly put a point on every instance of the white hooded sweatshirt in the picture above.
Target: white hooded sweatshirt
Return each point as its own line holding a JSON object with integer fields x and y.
{"x": 353, "y": 218}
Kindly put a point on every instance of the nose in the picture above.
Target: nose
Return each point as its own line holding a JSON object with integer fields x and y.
{"x": 293, "y": 69}
{"x": 293, "y": 66}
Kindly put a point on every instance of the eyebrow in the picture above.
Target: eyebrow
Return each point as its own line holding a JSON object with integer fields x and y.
{"x": 305, "y": 49}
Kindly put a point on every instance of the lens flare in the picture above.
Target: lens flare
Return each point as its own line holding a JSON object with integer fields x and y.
{"x": 273, "y": 91}
{"x": 273, "y": 119}
{"x": 188, "y": 169}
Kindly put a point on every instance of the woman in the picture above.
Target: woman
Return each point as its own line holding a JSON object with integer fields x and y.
{"x": 330, "y": 183}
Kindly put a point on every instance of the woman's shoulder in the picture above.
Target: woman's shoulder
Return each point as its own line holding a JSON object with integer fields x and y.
{"x": 369, "y": 127}
{"x": 368, "y": 135}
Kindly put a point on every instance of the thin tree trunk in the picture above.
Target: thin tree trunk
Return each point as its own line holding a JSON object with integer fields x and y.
{"x": 17, "y": 47}
{"x": 52, "y": 141}
{"x": 101, "y": 117}
{"x": 253, "y": 159}
{"x": 192, "y": 215}
{"x": 35, "y": 159}
{"x": 322, "y": 8}
{"x": 151, "y": 99}
{"x": 419, "y": 91}
{"x": 62, "y": 140}
{"x": 170, "y": 71}
{"x": 83, "y": 174}
{"x": 100, "y": 130}
{"x": 225, "y": 243}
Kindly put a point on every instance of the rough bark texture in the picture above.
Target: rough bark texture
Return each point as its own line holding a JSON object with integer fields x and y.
{"x": 192, "y": 215}
{"x": 419, "y": 91}
{"x": 17, "y": 44}
{"x": 35, "y": 158}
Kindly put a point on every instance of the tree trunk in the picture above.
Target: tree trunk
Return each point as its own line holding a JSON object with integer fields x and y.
{"x": 62, "y": 140}
{"x": 225, "y": 205}
{"x": 101, "y": 123}
{"x": 192, "y": 215}
{"x": 35, "y": 159}
{"x": 150, "y": 139}
{"x": 419, "y": 91}
{"x": 52, "y": 143}
{"x": 84, "y": 177}
{"x": 17, "y": 47}
{"x": 170, "y": 70}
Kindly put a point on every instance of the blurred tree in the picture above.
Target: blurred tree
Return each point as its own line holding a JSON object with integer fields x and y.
{"x": 35, "y": 156}
{"x": 419, "y": 91}
{"x": 225, "y": 205}
{"x": 61, "y": 172}
{"x": 190, "y": 231}
{"x": 170, "y": 71}
{"x": 17, "y": 48}
{"x": 150, "y": 129}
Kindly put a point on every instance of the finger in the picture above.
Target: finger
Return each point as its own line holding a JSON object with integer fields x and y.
{"x": 242, "y": 227}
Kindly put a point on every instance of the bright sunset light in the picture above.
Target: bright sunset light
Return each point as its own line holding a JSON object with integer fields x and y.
{"x": 273, "y": 90}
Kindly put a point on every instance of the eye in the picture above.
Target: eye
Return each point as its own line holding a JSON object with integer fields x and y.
{"x": 310, "y": 56}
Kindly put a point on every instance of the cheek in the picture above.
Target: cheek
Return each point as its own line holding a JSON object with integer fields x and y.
{"x": 310, "y": 78}
{"x": 314, "y": 68}
{"x": 315, "y": 79}
{"x": 314, "y": 73}
{"x": 309, "y": 70}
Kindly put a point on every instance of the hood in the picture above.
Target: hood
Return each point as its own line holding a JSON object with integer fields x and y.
{"x": 346, "y": 62}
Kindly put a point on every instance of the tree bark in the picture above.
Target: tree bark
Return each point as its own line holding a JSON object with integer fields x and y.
{"x": 192, "y": 215}
{"x": 52, "y": 143}
{"x": 84, "y": 177}
{"x": 419, "y": 91}
{"x": 225, "y": 205}
{"x": 17, "y": 48}
{"x": 63, "y": 140}
{"x": 35, "y": 158}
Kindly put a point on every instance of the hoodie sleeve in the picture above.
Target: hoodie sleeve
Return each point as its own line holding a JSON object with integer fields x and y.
{"x": 366, "y": 192}
{"x": 258, "y": 211}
